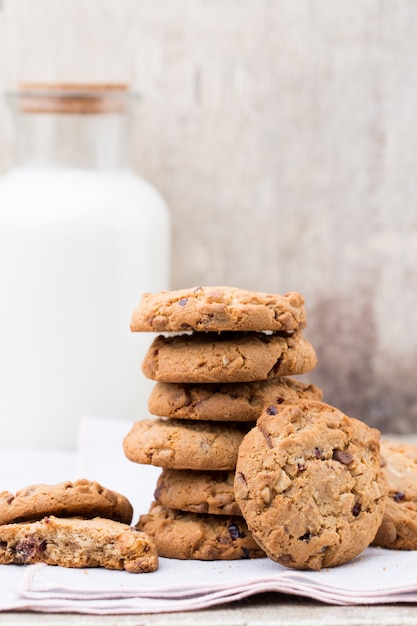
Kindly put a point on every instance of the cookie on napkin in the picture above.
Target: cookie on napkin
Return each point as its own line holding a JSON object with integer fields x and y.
{"x": 74, "y": 542}
{"x": 183, "y": 535}
{"x": 398, "y": 530}
{"x": 309, "y": 484}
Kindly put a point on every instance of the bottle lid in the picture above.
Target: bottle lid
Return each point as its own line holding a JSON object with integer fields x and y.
{"x": 72, "y": 98}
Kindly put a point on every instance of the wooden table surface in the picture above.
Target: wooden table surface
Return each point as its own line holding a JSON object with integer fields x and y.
{"x": 268, "y": 609}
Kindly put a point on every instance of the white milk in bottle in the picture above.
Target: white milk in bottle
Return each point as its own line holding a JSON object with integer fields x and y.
{"x": 81, "y": 238}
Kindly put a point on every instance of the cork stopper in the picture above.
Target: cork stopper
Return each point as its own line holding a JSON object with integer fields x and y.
{"x": 91, "y": 98}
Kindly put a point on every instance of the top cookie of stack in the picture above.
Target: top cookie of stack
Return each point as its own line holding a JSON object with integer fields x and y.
{"x": 215, "y": 309}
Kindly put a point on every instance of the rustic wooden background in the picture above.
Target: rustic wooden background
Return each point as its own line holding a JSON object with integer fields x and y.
{"x": 283, "y": 136}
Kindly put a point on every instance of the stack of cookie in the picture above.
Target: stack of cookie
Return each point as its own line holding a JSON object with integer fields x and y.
{"x": 222, "y": 356}
{"x": 73, "y": 524}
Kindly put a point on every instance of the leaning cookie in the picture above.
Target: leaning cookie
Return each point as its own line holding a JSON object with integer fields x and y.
{"x": 181, "y": 535}
{"x": 398, "y": 530}
{"x": 240, "y": 402}
{"x": 227, "y": 357}
{"x": 197, "y": 492}
{"x": 82, "y": 498}
{"x": 218, "y": 309}
{"x": 74, "y": 542}
{"x": 309, "y": 484}
{"x": 184, "y": 444}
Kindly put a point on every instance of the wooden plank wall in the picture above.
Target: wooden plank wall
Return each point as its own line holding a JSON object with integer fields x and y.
{"x": 283, "y": 136}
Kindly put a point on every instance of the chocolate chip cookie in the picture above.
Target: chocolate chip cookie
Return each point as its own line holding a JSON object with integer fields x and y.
{"x": 241, "y": 402}
{"x": 197, "y": 492}
{"x": 398, "y": 530}
{"x": 217, "y": 309}
{"x": 227, "y": 357}
{"x": 81, "y": 498}
{"x": 309, "y": 484}
{"x": 184, "y": 444}
{"x": 73, "y": 542}
{"x": 181, "y": 535}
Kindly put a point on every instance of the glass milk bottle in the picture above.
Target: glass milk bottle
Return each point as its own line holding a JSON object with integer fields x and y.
{"x": 81, "y": 238}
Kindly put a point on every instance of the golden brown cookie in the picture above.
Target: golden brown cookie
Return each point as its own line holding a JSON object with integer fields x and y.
{"x": 81, "y": 498}
{"x": 197, "y": 492}
{"x": 74, "y": 542}
{"x": 217, "y": 309}
{"x": 240, "y": 402}
{"x": 398, "y": 530}
{"x": 227, "y": 357}
{"x": 182, "y": 535}
{"x": 309, "y": 484}
{"x": 184, "y": 444}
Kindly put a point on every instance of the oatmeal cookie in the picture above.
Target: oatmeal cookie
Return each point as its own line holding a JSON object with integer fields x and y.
{"x": 240, "y": 402}
{"x": 185, "y": 444}
{"x": 81, "y": 498}
{"x": 74, "y": 542}
{"x": 309, "y": 484}
{"x": 398, "y": 530}
{"x": 182, "y": 535}
{"x": 197, "y": 492}
{"x": 218, "y": 309}
{"x": 227, "y": 357}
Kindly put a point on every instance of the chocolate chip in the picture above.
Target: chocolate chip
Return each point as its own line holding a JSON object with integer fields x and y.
{"x": 343, "y": 456}
{"x": 285, "y": 559}
{"x": 356, "y": 509}
{"x": 245, "y": 553}
{"x": 183, "y": 301}
{"x": 234, "y": 532}
{"x": 266, "y": 435}
{"x": 276, "y": 367}
{"x": 279, "y": 400}
{"x": 305, "y": 537}
{"x": 318, "y": 453}
{"x": 3, "y": 545}
{"x": 157, "y": 493}
{"x": 399, "y": 496}
{"x": 28, "y": 548}
{"x": 223, "y": 541}
{"x": 199, "y": 508}
{"x": 272, "y": 410}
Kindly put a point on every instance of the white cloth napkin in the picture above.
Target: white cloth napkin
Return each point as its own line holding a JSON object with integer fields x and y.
{"x": 375, "y": 577}
{"x": 186, "y": 585}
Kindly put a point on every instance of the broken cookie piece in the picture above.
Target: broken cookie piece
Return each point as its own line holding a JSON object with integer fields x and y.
{"x": 78, "y": 543}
